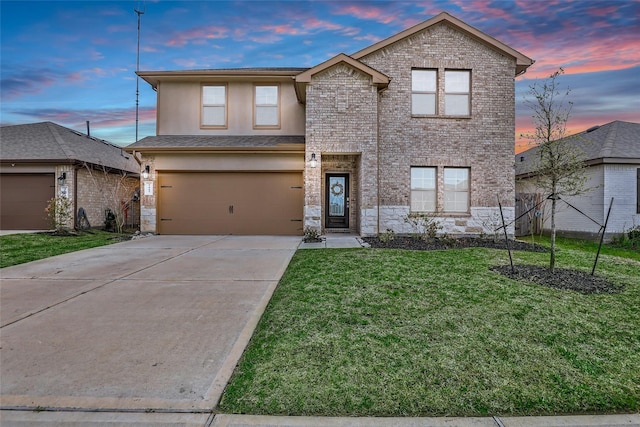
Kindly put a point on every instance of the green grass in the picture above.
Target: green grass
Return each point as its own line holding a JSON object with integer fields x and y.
{"x": 21, "y": 248}
{"x": 588, "y": 246}
{"x": 368, "y": 332}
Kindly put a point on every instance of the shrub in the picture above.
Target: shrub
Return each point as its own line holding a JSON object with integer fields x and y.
{"x": 59, "y": 213}
{"x": 388, "y": 236}
{"x": 426, "y": 226}
{"x": 311, "y": 235}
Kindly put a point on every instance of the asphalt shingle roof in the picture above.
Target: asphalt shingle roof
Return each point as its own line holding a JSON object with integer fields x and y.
{"x": 615, "y": 140}
{"x": 50, "y": 142}
{"x": 217, "y": 141}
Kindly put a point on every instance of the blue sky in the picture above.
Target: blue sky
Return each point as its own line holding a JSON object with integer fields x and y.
{"x": 73, "y": 61}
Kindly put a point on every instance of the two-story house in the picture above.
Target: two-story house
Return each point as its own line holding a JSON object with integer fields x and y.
{"x": 422, "y": 122}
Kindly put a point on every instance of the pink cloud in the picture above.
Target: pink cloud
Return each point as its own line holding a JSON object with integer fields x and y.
{"x": 601, "y": 12}
{"x": 287, "y": 29}
{"x": 576, "y": 54}
{"x": 485, "y": 10}
{"x": 318, "y": 24}
{"x": 197, "y": 34}
{"x": 367, "y": 12}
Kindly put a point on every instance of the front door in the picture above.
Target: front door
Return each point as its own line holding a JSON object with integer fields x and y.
{"x": 337, "y": 201}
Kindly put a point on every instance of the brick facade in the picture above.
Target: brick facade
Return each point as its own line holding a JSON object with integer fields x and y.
{"x": 341, "y": 130}
{"x": 346, "y": 114}
{"x": 98, "y": 191}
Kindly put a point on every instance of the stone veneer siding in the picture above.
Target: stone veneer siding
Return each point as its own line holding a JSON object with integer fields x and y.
{"x": 148, "y": 203}
{"x": 342, "y": 119}
{"x": 484, "y": 141}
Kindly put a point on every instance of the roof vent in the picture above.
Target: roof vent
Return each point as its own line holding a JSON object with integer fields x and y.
{"x": 592, "y": 128}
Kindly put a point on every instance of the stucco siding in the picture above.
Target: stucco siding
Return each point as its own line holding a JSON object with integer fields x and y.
{"x": 179, "y": 105}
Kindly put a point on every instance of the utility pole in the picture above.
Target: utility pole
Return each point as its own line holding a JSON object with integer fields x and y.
{"x": 139, "y": 11}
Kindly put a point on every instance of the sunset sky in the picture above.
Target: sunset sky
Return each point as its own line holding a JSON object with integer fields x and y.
{"x": 73, "y": 61}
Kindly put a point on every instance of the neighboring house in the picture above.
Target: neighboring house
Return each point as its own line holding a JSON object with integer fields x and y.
{"x": 41, "y": 160}
{"x": 422, "y": 122}
{"x": 612, "y": 156}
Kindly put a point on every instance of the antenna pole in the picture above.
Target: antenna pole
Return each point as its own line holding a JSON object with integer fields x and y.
{"x": 138, "y": 12}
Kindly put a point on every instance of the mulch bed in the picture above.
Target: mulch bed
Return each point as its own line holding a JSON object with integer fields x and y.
{"x": 561, "y": 278}
{"x": 414, "y": 243}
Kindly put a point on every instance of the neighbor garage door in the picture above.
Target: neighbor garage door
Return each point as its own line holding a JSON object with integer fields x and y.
{"x": 23, "y": 200}
{"x": 230, "y": 203}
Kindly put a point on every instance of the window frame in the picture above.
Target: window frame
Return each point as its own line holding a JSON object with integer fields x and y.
{"x": 413, "y": 189}
{"x": 457, "y": 93}
{"x": 203, "y": 106}
{"x": 422, "y": 92}
{"x": 467, "y": 191}
{"x": 277, "y": 105}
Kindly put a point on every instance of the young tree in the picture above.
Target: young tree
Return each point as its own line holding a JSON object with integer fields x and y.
{"x": 558, "y": 169}
{"x": 115, "y": 188}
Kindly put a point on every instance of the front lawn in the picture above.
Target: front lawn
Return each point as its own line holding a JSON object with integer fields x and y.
{"x": 378, "y": 332}
{"x": 21, "y": 248}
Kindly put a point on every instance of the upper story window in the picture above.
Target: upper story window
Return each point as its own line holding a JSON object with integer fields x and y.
{"x": 457, "y": 90}
{"x": 423, "y": 189}
{"x": 267, "y": 101}
{"x": 423, "y": 92}
{"x": 456, "y": 189}
{"x": 214, "y": 106}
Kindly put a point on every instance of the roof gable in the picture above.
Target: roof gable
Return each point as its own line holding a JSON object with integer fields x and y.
{"x": 377, "y": 78}
{"x": 522, "y": 62}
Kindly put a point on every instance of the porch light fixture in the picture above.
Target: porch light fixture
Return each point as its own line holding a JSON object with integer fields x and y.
{"x": 145, "y": 172}
{"x": 313, "y": 162}
{"x": 62, "y": 177}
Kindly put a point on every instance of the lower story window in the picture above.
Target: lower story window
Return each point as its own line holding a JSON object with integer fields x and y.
{"x": 456, "y": 189}
{"x": 423, "y": 189}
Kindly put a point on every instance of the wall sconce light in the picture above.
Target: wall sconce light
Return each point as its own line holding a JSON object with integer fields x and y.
{"x": 62, "y": 177}
{"x": 313, "y": 162}
{"x": 145, "y": 172}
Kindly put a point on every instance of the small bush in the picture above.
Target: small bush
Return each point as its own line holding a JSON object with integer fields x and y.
{"x": 629, "y": 239}
{"x": 311, "y": 235}
{"x": 59, "y": 213}
{"x": 388, "y": 236}
{"x": 426, "y": 226}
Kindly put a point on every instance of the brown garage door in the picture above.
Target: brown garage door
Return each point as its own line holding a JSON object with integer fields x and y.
{"x": 230, "y": 203}
{"x": 23, "y": 198}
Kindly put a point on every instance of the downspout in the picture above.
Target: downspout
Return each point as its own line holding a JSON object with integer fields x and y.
{"x": 75, "y": 197}
{"x": 380, "y": 94}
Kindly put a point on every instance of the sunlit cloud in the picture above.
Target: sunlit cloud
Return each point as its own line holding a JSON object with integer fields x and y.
{"x": 367, "y": 12}
{"x": 266, "y": 38}
{"x": 19, "y": 81}
{"x": 197, "y": 34}
{"x": 100, "y": 119}
{"x": 486, "y": 10}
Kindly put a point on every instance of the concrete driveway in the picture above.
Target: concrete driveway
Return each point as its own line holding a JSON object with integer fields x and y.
{"x": 155, "y": 324}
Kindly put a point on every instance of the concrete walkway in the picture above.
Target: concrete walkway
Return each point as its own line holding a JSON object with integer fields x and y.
{"x": 336, "y": 241}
